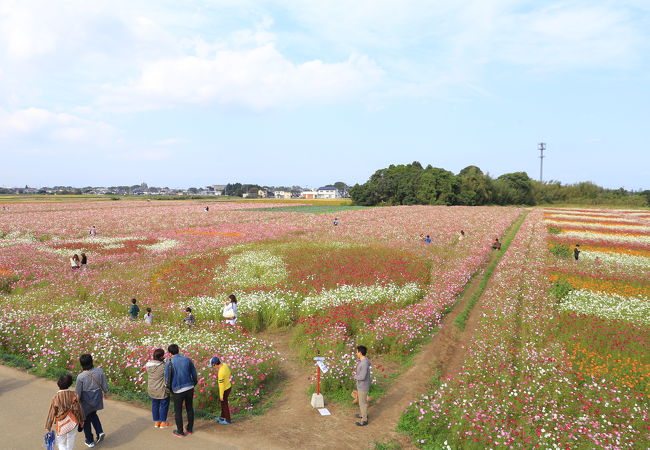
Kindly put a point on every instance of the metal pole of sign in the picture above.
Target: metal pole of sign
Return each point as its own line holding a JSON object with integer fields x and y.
{"x": 317, "y": 400}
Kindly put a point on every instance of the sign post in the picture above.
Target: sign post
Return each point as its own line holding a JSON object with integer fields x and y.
{"x": 317, "y": 400}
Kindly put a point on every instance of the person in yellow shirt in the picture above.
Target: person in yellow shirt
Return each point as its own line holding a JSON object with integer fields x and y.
{"x": 223, "y": 376}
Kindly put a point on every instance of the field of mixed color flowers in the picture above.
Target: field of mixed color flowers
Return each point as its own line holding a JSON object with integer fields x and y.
{"x": 560, "y": 357}
{"x": 368, "y": 280}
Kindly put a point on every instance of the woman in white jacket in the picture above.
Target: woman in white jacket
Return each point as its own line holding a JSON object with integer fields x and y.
{"x": 230, "y": 309}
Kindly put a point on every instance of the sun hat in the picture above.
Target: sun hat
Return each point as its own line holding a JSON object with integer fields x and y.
{"x": 214, "y": 361}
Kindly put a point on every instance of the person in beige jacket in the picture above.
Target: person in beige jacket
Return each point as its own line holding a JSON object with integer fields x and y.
{"x": 157, "y": 389}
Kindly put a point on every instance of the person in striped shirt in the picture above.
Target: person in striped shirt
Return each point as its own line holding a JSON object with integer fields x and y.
{"x": 62, "y": 402}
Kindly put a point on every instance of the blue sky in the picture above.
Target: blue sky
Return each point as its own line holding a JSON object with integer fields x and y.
{"x": 310, "y": 92}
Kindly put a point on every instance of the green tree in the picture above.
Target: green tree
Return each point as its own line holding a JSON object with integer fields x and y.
{"x": 473, "y": 188}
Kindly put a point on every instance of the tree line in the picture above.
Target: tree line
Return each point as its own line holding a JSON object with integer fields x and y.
{"x": 412, "y": 184}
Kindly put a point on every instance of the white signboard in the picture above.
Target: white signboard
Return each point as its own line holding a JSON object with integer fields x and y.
{"x": 322, "y": 366}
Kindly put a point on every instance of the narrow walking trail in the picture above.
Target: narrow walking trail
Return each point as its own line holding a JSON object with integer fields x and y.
{"x": 289, "y": 421}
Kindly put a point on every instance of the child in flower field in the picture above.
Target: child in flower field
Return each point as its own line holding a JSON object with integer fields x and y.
{"x": 427, "y": 239}
{"x": 65, "y": 408}
{"x": 93, "y": 231}
{"x": 230, "y": 309}
{"x": 134, "y": 310}
{"x": 148, "y": 318}
{"x": 576, "y": 251}
{"x": 157, "y": 388}
{"x": 336, "y": 221}
{"x": 188, "y": 321}
{"x": 223, "y": 377}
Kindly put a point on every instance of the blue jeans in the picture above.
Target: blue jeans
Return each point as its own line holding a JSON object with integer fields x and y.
{"x": 92, "y": 419}
{"x": 159, "y": 408}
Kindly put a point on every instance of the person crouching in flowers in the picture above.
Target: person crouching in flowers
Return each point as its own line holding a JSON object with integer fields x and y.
{"x": 157, "y": 388}
{"x": 74, "y": 262}
{"x": 223, "y": 378}
{"x": 230, "y": 309}
{"x": 65, "y": 411}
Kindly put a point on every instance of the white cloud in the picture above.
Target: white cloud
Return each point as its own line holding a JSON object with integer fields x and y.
{"x": 258, "y": 78}
{"x": 37, "y": 123}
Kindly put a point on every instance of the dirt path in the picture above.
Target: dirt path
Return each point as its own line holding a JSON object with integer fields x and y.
{"x": 289, "y": 421}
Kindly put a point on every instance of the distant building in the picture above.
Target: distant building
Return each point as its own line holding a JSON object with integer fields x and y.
{"x": 328, "y": 192}
{"x": 282, "y": 194}
{"x": 262, "y": 193}
{"x": 216, "y": 189}
{"x": 309, "y": 194}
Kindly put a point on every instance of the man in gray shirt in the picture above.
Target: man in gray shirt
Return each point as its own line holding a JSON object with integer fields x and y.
{"x": 362, "y": 376}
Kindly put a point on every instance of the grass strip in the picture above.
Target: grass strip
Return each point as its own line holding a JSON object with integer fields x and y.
{"x": 511, "y": 232}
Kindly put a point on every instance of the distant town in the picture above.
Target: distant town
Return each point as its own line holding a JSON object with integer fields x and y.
{"x": 336, "y": 190}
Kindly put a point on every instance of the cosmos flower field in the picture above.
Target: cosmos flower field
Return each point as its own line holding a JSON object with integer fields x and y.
{"x": 559, "y": 357}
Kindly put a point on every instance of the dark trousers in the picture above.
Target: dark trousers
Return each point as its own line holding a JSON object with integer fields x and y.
{"x": 184, "y": 397}
{"x": 92, "y": 419}
{"x": 159, "y": 408}
{"x": 225, "y": 409}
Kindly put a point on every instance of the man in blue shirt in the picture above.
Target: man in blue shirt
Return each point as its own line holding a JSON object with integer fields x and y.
{"x": 180, "y": 374}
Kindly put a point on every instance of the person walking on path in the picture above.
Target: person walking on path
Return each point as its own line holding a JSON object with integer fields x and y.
{"x": 134, "y": 310}
{"x": 362, "y": 377}
{"x": 223, "y": 378}
{"x": 230, "y": 309}
{"x": 180, "y": 374}
{"x": 65, "y": 411}
{"x": 91, "y": 388}
{"x": 157, "y": 388}
{"x": 496, "y": 245}
{"x": 576, "y": 251}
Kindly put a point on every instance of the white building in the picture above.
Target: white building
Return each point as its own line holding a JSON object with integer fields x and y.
{"x": 282, "y": 194}
{"x": 216, "y": 189}
{"x": 309, "y": 194}
{"x": 328, "y": 192}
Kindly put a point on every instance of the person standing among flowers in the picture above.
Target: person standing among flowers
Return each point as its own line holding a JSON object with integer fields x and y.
{"x": 148, "y": 318}
{"x": 230, "y": 309}
{"x": 84, "y": 261}
{"x": 134, "y": 310}
{"x": 91, "y": 388}
{"x": 362, "y": 377}
{"x": 157, "y": 388}
{"x": 223, "y": 378}
{"x": 180, "y": 374}
{"x": 66, "y": 413}
{"x": 188, "y": 320}
{"x": 576, "y": 251}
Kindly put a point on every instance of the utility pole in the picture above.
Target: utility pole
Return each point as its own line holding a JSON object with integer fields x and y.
{"x": 542, "y": 147}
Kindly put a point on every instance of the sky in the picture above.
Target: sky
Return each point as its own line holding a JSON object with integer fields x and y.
{"x": 306, "y": 92}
